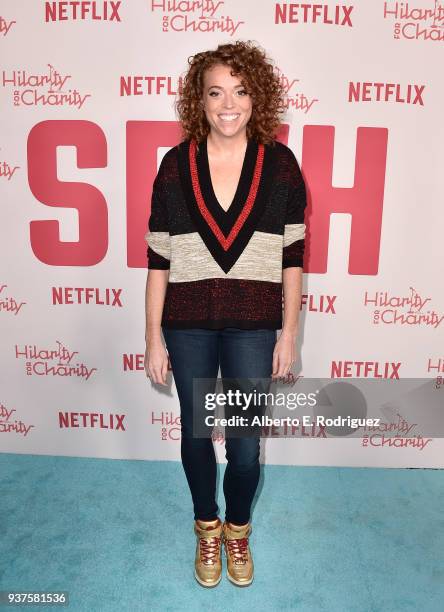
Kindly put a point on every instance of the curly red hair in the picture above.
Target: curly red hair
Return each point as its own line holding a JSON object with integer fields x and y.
{"x": 257, "y": 74}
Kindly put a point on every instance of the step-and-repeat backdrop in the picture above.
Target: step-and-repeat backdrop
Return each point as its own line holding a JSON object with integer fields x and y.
{"x": 86, "y": 111}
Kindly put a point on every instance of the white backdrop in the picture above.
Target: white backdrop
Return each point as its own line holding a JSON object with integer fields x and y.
{"x": 86, "y": 107}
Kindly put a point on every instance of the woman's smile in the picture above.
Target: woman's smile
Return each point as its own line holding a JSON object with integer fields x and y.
{"x": 229, "y": 117}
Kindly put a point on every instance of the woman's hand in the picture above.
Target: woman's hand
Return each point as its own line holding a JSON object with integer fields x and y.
{"x": 157, "y": 362}
{"x": 284, "y": 355}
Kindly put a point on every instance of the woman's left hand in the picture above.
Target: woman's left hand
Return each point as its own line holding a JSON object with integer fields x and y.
{"x": 284, "y": 355}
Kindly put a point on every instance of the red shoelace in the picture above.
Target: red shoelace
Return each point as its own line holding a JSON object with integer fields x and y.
{"x": 209, "y": 549}
{"x": 238, "y": 549}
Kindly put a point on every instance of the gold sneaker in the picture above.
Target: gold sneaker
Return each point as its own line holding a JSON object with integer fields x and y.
{"x": 239, "y": 561}
{"x": 208, "y": 564}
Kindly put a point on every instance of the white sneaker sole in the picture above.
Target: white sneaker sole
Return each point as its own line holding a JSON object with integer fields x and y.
{"x": 241, "y": 584}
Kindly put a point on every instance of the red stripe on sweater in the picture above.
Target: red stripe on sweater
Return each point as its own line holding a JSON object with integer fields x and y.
{"x": 243, "y": 216}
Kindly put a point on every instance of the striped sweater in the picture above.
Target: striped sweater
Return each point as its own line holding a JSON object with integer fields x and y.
{"x": 225, "y": 267}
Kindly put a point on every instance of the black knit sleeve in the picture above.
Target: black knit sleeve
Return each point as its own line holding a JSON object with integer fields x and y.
{"x": 158, "y": 237}
{"x": 294, "y": 231}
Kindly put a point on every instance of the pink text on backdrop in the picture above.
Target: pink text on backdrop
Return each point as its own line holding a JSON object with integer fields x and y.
{"x": 90, "y": 142}
{"x": 363, "y": 201}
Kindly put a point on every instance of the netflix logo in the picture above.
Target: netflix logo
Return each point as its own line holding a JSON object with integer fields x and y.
{"x": 365, "y": 369}
{"x": 134, "y": 362}
{"x": 91, "y": 420}
{"x": 338, "y": 14}
{"x": 319, "y": 303}
{"x": 285, "y": 430}
{"x": 385, "y": 92}
{"x": 81, "y": 11}
{"x": 86, "y": 295}
{"x": 148, "y": 85}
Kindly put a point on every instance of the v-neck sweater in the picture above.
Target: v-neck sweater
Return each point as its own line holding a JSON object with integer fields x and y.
{"x": 225, "y": 267}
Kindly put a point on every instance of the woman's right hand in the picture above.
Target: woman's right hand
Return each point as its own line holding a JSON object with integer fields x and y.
{"x": 157, "y": 362}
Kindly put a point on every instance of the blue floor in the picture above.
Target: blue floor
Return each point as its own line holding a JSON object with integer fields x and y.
{"x": 118, "y": 536}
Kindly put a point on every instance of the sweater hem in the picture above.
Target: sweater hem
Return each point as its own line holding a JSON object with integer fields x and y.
{"x": 222, "y": 323}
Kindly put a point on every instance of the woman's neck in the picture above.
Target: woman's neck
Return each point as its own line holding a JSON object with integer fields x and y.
{"x": 226, "y": 146}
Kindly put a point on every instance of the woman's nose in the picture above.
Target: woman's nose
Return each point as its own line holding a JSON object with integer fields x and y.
{"x": 228, "y": 102}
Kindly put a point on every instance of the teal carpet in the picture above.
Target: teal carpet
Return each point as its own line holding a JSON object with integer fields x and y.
{"x": 118, "y": 536}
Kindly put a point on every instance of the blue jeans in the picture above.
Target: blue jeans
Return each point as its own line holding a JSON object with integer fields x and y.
{"x": 197, "y": 353}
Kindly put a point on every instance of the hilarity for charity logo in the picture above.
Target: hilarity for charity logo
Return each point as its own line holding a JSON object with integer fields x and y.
{"x": 170, "y": 427}
{"x": 7, "y": 170}
{"x": 204, "y": 16}
{"x": 5, "y": 26}
{"x": 27, "y": 89}
{"x": 294, "y": 99}
{"x": 416, "y": 23}
{"x": 8, "y": 425}
{"x": 52, "y": 362}
{"x": 395, "y": 434}
{"x": 401, "y": 310}
{"x": 9, "y": 303}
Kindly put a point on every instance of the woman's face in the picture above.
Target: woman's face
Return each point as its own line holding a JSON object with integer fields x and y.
{"x": 227, "y": 105}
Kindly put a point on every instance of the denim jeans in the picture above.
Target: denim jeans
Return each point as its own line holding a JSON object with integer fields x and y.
{"x": 197, "y": 353}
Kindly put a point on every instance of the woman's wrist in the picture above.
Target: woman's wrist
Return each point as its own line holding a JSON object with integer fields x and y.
{"x": 291, "y": 332}
{"x": 153, "y": 336}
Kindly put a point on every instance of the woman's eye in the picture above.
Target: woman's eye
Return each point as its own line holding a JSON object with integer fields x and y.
{"x": 242, "y": 92}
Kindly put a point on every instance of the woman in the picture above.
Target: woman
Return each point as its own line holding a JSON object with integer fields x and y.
{"x": 225, "y": 245}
